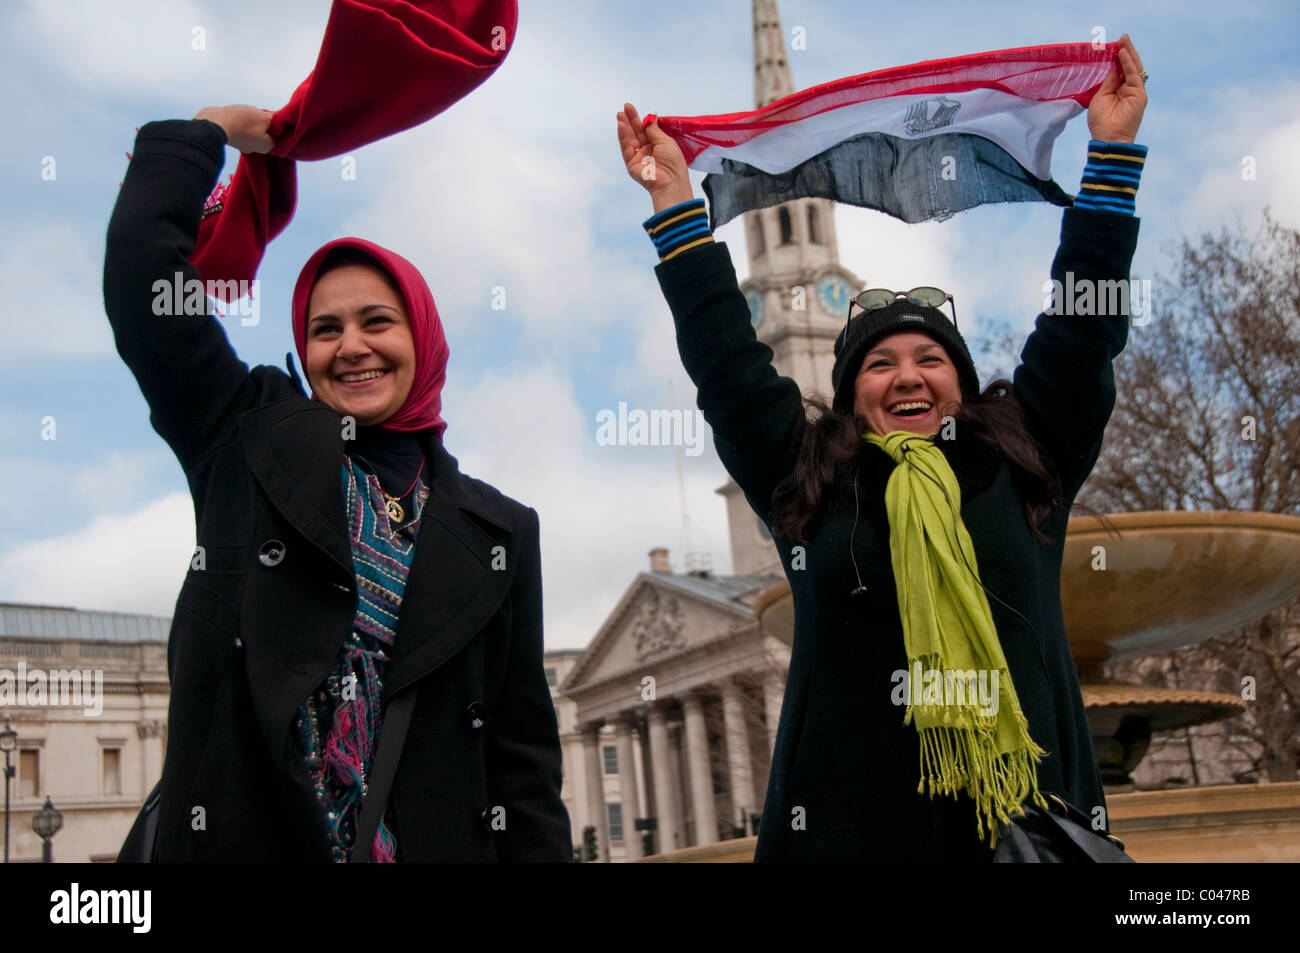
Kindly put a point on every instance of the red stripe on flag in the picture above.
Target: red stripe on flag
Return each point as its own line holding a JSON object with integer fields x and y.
{"x": 1036, "y": 73}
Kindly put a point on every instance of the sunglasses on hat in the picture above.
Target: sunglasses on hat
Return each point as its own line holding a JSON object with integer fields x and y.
{"x": 873, "y": 299}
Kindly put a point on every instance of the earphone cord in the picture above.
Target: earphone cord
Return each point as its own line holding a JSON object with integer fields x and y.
{"x": 853, "y": 535}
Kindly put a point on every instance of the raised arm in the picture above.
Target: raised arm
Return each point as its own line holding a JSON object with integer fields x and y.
{"x": 756, "y": 414}
{"x": 1065, "y": 381}
{"x": 179, "y": 354}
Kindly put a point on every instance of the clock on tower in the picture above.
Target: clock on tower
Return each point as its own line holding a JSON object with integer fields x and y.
{"x": 833, "y": 294}
{"x": 755, "y": 300}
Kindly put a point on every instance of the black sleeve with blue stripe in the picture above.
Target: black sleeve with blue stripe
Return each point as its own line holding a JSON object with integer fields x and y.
{"x": 1110, "y": 179}
{"x": 676, "y": 229}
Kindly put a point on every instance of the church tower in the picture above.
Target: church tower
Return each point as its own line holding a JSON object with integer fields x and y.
{"x": 798, "y": 292}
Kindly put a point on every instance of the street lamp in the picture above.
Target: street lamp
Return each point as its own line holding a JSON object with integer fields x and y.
{"x": 46, "y": 824}
{"x": 8, "y": 742}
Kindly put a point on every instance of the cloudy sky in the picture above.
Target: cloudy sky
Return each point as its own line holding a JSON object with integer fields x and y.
{"x": 520, "y": 186}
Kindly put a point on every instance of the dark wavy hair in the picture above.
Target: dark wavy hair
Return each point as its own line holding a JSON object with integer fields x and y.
{"x": 833, "y": 441}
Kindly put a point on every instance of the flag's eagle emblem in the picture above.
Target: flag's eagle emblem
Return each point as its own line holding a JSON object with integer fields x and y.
{"x": 930, "y": 114}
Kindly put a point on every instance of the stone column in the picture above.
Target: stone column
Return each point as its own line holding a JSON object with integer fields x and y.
{"x": 593, "y": 763}
{"x": 623, "y": 729}
{"x": 740, "y": 766}
{"x": 773, "y": 694}
{"x": 679, "y": 784}
{"x": 697, "y": 753}
{"x": 665, "y": 798}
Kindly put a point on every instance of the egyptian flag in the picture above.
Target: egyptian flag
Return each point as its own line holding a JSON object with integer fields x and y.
{"x": 917, "y": 142}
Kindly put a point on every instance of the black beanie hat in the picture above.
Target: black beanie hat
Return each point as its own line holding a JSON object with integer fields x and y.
{"x": 868, "y": 327}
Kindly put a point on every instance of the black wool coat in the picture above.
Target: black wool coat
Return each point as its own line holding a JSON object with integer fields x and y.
{"x": 258, "y": 627}
{"x": 845, "y": 769}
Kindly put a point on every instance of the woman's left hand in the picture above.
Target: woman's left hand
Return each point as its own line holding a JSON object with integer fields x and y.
{"x": 246, "y": 126}
{"x": 1116, "y": 108}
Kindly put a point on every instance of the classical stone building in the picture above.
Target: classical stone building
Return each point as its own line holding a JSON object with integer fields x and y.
{"x": 689, "y": 687}
{"x": 87, "y": 694}
{"x": 680, "y": 675}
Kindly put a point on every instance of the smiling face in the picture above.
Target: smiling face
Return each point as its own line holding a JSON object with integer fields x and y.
{"x": 360, "y": 353}
{"x": 906, "y": 382}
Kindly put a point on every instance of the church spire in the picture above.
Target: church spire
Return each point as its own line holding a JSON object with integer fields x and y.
{"x": 797, "y": 290}
{"x": 771, "y": 69}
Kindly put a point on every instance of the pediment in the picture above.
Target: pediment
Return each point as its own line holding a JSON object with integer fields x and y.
{"x": 654, "y": 619}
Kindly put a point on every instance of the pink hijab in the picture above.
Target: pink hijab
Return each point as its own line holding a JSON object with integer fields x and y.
{"x": 423, "y": 405}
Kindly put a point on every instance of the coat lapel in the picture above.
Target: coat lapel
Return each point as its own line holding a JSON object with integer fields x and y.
{"x": 295, "y": 449}
{"x": 463, "y": 569}
{"x": 465, "y": 552}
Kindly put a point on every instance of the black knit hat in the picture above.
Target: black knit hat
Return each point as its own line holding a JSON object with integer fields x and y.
{"x": 868, "y": 327}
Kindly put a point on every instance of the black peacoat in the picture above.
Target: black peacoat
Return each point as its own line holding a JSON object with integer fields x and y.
{"x": 272, "y": 593}
{"x": 845, "y": 769}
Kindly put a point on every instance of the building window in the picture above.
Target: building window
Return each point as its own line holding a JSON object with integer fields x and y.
{"x": 615, "y": 817}
{"x": 112, "y": 771}
{"x": 29, "y": 772}
{"x": 787, "y": 227}
{"x": 756, "y": 234}
{"x": 550, "y": 676}
{"x": 611, "y": 760}
{"x": 814, "y": 229}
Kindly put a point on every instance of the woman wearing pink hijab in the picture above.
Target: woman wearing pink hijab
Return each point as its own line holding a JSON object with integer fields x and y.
{"x": 356, "y": 652}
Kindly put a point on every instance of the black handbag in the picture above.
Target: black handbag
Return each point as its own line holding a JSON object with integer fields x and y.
{"x": 1060, "y": 835}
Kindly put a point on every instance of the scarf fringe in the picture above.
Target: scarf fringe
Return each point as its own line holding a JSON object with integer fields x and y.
{"x": 958, "y": 760}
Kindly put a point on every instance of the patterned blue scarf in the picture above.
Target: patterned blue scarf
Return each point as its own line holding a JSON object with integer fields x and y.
{"x": 338, "y": 726}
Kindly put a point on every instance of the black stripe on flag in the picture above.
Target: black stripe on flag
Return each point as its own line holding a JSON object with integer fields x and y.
{"x": 900, "y": 177}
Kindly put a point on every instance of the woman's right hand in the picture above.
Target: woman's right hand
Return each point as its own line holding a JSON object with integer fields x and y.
{"x": 245, "y": 126}
{"x": 653, "y": 160}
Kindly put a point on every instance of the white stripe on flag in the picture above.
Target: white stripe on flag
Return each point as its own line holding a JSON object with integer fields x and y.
{"x": 1025, "y": 128}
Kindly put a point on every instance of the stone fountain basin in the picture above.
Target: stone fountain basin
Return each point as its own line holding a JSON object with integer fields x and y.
{"x": 1174, "y": 579}
{"x": 1171, "y": 579}
{"x": 1164, "y": 709}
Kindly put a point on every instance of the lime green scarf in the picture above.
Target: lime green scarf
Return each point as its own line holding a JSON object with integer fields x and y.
{"x": 948, "y": 628}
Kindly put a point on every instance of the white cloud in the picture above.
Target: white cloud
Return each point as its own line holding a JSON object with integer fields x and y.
{"x": 149, "y": 46}
{"x": 507, "y": 218}
{"x": 53, "y": 280}
{"x": 602, "y": 509}
{"x": 133, "y": 562}
{"x": 1238, "y": 125}
{"x": 113, "y": 480}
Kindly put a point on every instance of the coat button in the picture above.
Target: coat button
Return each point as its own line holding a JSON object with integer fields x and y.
{"x": 239, "y": 647}
{"x": 271, "y": 554}
{"x": 476, "y": 716}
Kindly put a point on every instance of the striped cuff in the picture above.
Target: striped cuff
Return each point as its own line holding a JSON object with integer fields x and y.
{"x": 1110, "y": 179}
{"x": 678, "y": 228}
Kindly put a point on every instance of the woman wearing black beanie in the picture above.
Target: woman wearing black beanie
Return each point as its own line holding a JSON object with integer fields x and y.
{"x": 921, "y": 524}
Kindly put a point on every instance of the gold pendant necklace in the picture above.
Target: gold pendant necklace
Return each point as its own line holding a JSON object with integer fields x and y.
{"x": 395, "y": 512}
